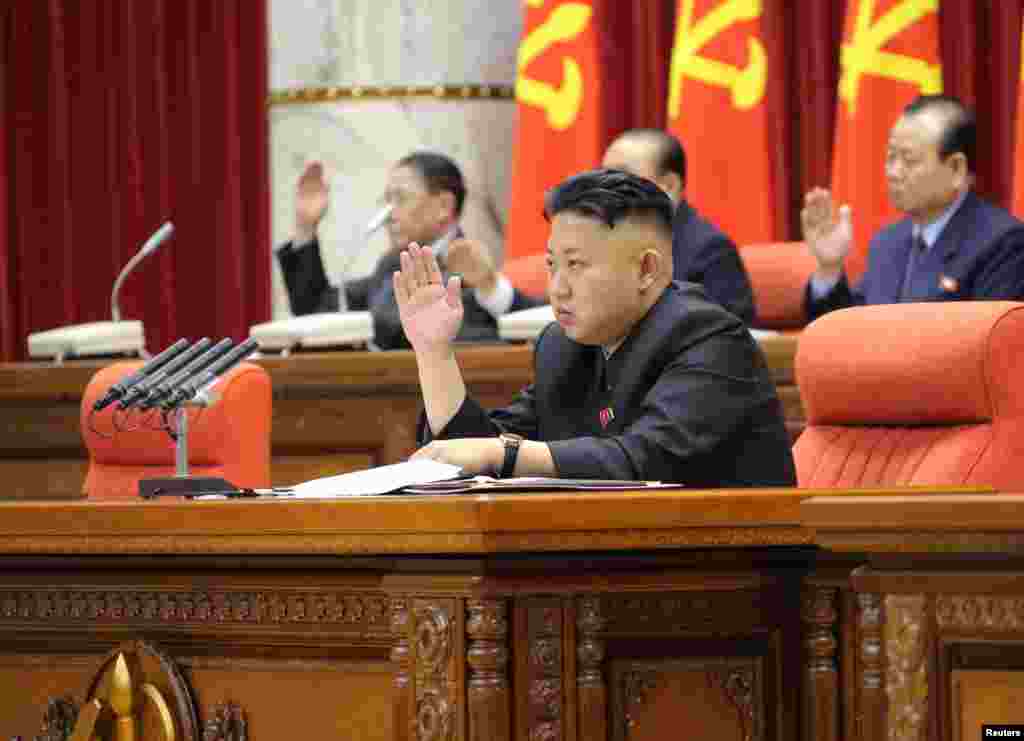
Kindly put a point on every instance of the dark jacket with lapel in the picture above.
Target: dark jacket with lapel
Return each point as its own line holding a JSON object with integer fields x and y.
{"x": 979, "y": 255}
{"x": 310, "y": 292}
{"x": 691, "y": 398}
{"x": 702, "y": 253}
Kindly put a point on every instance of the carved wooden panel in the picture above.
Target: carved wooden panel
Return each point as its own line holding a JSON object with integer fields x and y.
{"x": 980, "y": 613}
{"x": 487, "y": 656}
{"x": 58, "y": 720}
{"x": 705, "y": 613}
{"x": 543, "y": 669}
{"x": 870, "y": 711}
{"x": 434, "y": 670}
{"x": 403, "y": 716}
{"x": 719, "y": 698}
{"x": 906, "y": 671}
{"x": 590, "y": 681}
{"x": 819, "y": 612}
{"x": 226, "y": 722}
{"x": 360, "y": 614}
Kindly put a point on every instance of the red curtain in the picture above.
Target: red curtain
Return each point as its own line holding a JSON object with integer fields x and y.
{"x": 116, "y": 117}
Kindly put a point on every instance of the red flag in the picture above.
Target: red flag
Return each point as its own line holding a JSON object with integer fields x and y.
{"x": 560, "y": 129}
{"x": 1017, "y": 205}
{"x": 716, "y": 107}
{"x": 889, "y": 56}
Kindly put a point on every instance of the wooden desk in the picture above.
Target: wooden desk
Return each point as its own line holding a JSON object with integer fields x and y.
{"x": 938, "y": 647}
{"x": 565, "y": 616}
{"x": 333, "y": 412}
{"x": 747, "y": 614}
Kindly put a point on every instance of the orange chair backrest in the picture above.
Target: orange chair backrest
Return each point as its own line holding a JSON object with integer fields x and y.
{"x": 778, "y": 276}
{"x": 529, "y": 274}
{"x": 230, "y": 438}
{"x": 913, "y": 394}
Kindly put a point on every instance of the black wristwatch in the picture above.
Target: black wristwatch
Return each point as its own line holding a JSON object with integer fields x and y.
{"x": 511, "y": 442}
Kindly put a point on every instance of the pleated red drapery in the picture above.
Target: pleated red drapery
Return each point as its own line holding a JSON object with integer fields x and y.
{"x": 116, "y": 117}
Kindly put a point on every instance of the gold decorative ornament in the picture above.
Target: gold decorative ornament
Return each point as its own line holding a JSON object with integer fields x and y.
{"x": 334, "y": 93}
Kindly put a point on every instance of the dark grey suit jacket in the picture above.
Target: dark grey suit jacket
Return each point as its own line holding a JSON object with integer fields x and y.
{"x": 979, "y": 255}
{"x": 691, "y": 398}
{"x": 702, "y": 253}
{"x": 310, "y": 292}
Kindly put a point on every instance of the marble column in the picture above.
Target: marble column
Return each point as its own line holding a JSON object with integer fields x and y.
{"x": 330, "y": 49}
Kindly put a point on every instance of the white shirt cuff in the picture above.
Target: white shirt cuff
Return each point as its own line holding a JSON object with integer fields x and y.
{"x": 499, "y": 301}
{"x": 821, "y": 287}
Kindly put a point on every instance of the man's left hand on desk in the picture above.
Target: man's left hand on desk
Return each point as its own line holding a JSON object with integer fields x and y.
{"x": 475, "y": 455}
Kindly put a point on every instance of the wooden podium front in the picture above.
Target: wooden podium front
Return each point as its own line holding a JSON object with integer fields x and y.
{"x": 529, "y": 617}
{"x": 761, "y": 614}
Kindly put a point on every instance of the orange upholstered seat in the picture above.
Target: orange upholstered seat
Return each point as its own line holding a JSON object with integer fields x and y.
{"x": 778, "y": 276}
{"x": 529, "y": 274}
{"x": 229, "y": 439}
{"x": 913, "y": 394}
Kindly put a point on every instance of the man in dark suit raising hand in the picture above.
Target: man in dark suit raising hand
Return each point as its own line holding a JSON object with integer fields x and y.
{"x": 640, "y": 377}
{"x": 952, "y": 245}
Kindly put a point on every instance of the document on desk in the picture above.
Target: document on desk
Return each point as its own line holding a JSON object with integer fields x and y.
{"x": 483, "y": 484}
{"x": 377, "y": 480}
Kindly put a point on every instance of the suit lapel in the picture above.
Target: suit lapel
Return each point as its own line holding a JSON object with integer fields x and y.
{"x": 957, "y": 229}
{"x": 896, "y": 256}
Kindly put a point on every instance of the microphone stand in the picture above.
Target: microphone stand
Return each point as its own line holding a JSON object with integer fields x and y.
{"x": 193, "y": 392}
{"x": 182, "y": 484}
{"x": 158, "y": 238}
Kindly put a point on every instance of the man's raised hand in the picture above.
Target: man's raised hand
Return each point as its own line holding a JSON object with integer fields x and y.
{"x": 312, "y": 194}
{"x": 431, "y": 312}
{"x": 828, "y": 235}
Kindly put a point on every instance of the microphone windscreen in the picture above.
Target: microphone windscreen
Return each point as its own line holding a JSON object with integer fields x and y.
{"x": 379, "y": 219}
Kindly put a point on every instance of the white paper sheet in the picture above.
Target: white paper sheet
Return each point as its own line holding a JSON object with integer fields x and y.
{"x": 378, "y": 480}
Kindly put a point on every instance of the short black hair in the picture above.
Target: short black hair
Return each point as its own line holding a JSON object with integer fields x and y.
{"x": 440, "y": 174}
{"x": 961, "y": 128}
{"x": 611, "y": 196}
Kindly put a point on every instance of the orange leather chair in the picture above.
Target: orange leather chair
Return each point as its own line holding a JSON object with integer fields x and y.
{"x": 529, "y": 274}
{"x": 778, "y": 276}
{"x": 913, "y": 394}
{"x": 230, "y": 438}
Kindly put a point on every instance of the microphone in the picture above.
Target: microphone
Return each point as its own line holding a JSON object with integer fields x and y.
{"x": 379, "y": 219}
{"x": 158, "y": 238}
{"x": 120, "y": 388}
{"x": 165, "y": 387}
{"x": 142, "y": 388}
{"x": 206, "y": 378}
{"x": 101, "y": 338}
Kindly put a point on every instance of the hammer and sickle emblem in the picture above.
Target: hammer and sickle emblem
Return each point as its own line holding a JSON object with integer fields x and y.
{"x": 122, "y": 701}
{"x": 747, "y": 84}
{"x": 863, "y": 54}
{"x": 561, "y": 103}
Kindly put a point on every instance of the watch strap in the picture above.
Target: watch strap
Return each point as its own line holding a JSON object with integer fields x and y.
{"x": 511, "y": 454}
